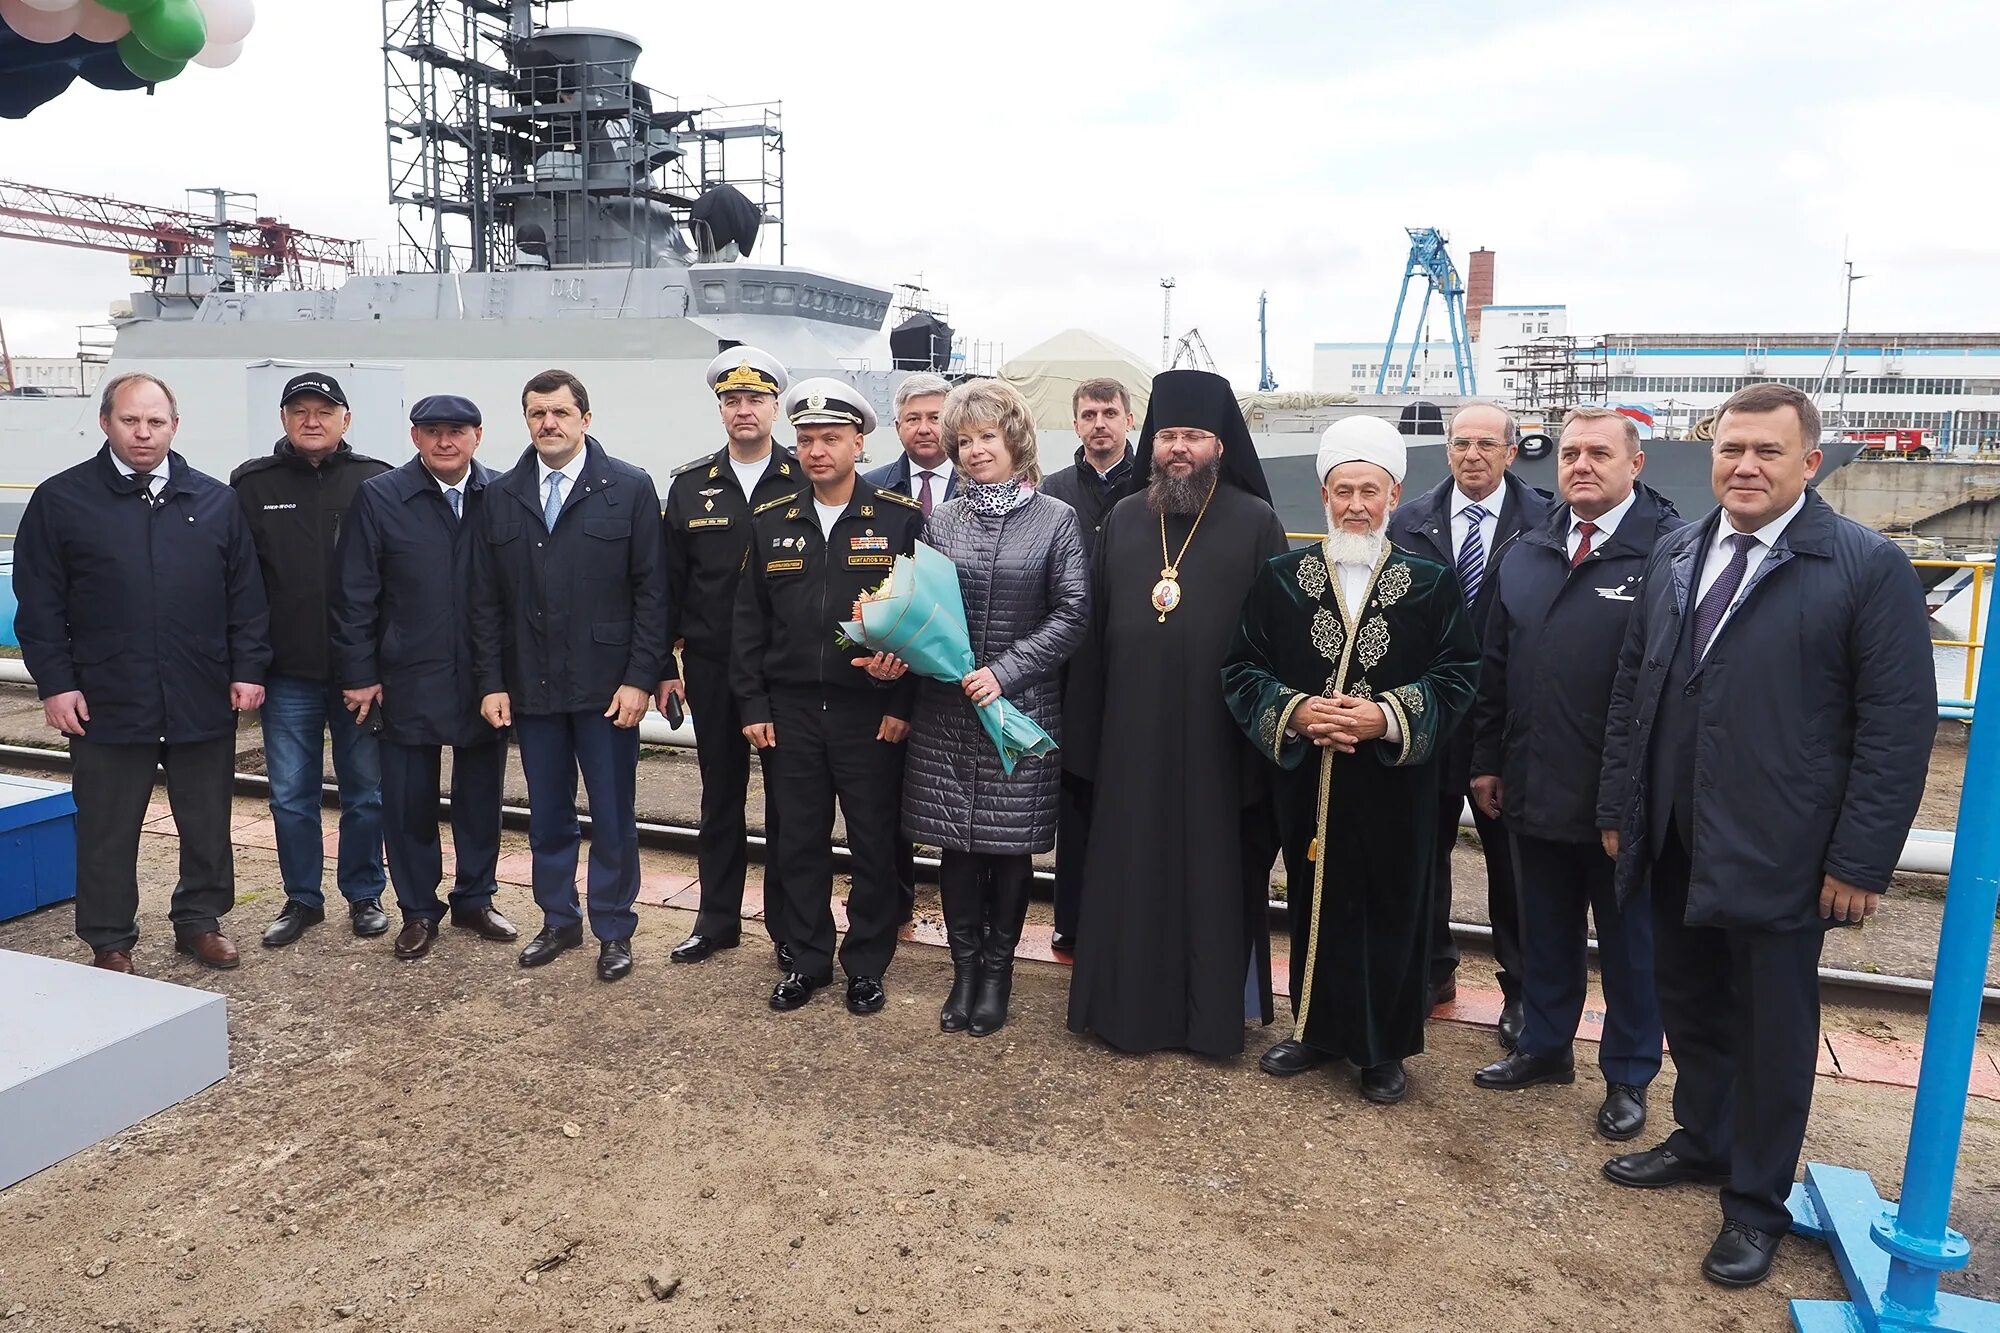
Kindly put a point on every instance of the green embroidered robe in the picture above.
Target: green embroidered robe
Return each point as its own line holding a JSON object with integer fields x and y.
{"x": 1358, "y": 829}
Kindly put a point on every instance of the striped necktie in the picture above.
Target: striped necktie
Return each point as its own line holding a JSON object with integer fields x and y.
{"x": 1472, "y": 555}
{"x": 1585, "y": 530}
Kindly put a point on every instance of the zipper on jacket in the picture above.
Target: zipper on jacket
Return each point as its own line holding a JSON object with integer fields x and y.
{"x": 825, "y": 577}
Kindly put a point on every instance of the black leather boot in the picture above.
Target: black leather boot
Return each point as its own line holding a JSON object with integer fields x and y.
{"x": 960, "y": 898}
{"x": 1007, "y": 912}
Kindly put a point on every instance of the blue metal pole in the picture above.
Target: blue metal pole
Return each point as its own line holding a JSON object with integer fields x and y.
{"x": 1915, "y": 1232}
{"x": 1423, "y": 313}
{"x": 1395, "y": 326}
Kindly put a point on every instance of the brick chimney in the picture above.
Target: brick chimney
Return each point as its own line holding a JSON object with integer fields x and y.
{"x": 1478, "y": 289}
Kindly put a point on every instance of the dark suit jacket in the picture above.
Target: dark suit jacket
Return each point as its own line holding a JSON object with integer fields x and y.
{"x": 151, "y": 613}
{"x": 1423, "y": 526}
{"x": 1816, "y": 708}
{"x": 895, "y": 476}
{"x": 402, "y": 605}
{"x": 561, "y": 619}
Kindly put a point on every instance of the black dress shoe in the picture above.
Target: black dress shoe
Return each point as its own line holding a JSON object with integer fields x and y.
{"x": 1623, "y": 1114}
{"x": 1291, "y": 1056}
{"x": 1656, "y": 1168}
{"x": 614, "y": 959}
{"x": 1444, "y": 990}
{"x": 1512, "y": 1020}
{"x": 414, "y": 940}
{"x": 1385, "y": 1084}
{"x": 551, "y": 944}
{"x": 368, "y": 918}
{"x": 1741, "y": 1255}
{"x": 1516, "y": 1069}
{"x": 794, "y": 989}
{"x": 293, "y": 918}
{"x": 487, "y": 923}
{"x": 1062, "y": 943}
{"x": 783, "y": 953}
{"x": 697, "y": 947}
{"x": 865, "y": 995}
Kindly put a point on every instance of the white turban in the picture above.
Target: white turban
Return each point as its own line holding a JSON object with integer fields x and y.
{"x": 1363, "y": 439}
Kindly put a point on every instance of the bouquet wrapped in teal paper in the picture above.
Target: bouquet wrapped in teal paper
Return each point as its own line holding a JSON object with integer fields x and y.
{"x": 919, "y": 615}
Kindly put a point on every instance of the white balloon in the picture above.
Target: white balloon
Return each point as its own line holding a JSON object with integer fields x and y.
{"x": 46, "y": 7}
{"x": 229, "y": 21}
{"x": 216, "y": 57}
{"x": 97, "y": 24}
{"x": 37, "y": 25}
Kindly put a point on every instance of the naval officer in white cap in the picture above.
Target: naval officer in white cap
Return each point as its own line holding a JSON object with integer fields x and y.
{"x": 707, "y": 538}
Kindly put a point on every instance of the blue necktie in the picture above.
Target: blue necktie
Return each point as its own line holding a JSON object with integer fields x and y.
{"x": 1472, "y": 555}
{"x": 1708, "y": 615}
{"x": 456, "y": 500}
{"x": 552, "y": 506}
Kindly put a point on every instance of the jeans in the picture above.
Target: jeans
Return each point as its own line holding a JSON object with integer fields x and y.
{"x": 296, "y": 714}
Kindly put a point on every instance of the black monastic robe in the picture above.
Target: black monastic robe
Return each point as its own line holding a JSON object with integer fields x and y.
{"x": 1172, "y": 937}
{"x": 1358, "y": 829}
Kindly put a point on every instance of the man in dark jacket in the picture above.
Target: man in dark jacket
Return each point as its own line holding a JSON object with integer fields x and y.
{"x": 1091, "y": 485}
{"x": 569, "y": 628}
{"x": 1766, "y": 749}
{"x": 707, "y": 543}
{"x": 402, "y": 648}
{"x": 142, "y": 619}
{"x": 831, "y": 730}
{"x": 1561, "y": 598}
{"x": 1468, "y": 521}
{"x": 295, "y": 497}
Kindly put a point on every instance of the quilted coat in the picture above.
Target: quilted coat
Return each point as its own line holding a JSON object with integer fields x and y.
{"x": 1026, "y": 589}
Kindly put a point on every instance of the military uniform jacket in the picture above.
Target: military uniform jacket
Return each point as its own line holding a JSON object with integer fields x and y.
{"x": 707, "y": 539}
{"x": 799, "y": 587}
{"x": 562, "y": 618}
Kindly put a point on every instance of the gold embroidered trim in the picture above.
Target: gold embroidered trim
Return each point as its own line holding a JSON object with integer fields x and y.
{"x": 1372, "y": 644}
{"x": 1283, "y": 721}
{"x": 1312, "y": 577}
{"x": 1360, "y": 689}
{"x": 1394, "y": 703}
{"x": 1394, "y": 585}
{"x": 1410, "y": 703}
{"x": 1327, "y": 635}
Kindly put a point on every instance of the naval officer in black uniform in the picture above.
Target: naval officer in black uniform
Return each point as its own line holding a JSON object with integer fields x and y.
{"x": 707, "y": 539}
{"x": 830, "y": 730}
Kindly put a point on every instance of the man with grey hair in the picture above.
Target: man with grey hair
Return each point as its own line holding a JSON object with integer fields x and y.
{"x": 1468, "y": 521}
{"x": 923, "y": 473}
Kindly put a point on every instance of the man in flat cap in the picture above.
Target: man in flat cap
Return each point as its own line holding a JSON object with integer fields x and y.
{"x": 1353, "y": 662}
{"x": 830, "y": 730}
{"x": 707, "y": 542}
{"x": 295, "y": 497}
{"x": 402, "y": 652}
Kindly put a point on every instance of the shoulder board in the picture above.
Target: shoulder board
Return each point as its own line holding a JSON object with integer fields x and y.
{"x": 692, "y": 464}
{"x": 897, "y": 497}
{"x": 773, "y": 504}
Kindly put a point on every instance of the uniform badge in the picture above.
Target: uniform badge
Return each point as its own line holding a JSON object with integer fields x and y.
{"x": 817, "y": 402}
{"x": 868, "y": 543}
{"x": 710, "y": 493}
{"x": 708, "y": 505}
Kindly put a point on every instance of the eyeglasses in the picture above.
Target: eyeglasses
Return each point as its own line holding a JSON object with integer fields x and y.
{"x": 1172, "y": 436}
{"x": 1487, "y": 445}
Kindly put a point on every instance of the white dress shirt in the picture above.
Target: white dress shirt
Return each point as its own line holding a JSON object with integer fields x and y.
{"x": 1489, "y": 527}
{"x": 1717, "y": 557}
{"x": 156, "y": 479}
{"x": 1605, "y": 523}
{"x": 940, "y": 480}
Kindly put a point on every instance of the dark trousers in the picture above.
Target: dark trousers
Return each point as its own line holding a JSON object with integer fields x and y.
{"x": 721, "y": 852}
{"x": 112, "y": 785}
{"x": 1742, "y": 1016}
{"x": 1072, "y": 841}
{"x": 1562, "y": 885}
{"x": 1503, "y": 907}
{"x": 554, "y": 748}
{"x": 826, "y": 750}
{"x": 410, "y": 784}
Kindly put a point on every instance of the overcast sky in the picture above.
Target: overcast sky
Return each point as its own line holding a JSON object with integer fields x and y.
{"x": 1684, "y": 166}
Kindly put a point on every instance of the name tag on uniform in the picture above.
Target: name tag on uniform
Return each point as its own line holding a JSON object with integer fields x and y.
{"x": 783, "y": 566}
{"x": 868, "y": 543}
{"x": 1617, "y": 594}
{"x": 854, "y": 561}
{"x": 694, "y": 523}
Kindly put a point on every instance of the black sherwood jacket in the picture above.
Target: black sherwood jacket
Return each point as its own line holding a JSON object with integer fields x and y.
{"x": 707, "y": 543}
{"x": 1551, "y": 654}
{"x": 561, "y": 619}
{"x": 150, "y": 612}
{"x": 295, "y": 511}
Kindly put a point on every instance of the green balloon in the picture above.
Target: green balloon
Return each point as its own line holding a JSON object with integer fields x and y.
{"x": 127, "y": 6}
{"x": 151, "y": 68}
{"x": 171, "y": 29}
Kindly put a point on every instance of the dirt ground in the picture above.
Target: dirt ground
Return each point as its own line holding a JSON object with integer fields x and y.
{"x": 457, "y": 1144}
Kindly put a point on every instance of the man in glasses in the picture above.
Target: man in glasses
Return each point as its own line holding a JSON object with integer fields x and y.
{"x": 1468, "y": 521}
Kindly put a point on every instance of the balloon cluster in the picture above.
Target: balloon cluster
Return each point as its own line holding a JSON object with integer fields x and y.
{"x": 155, "y": 38}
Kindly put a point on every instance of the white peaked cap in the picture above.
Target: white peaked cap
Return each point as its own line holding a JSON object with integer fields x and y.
{"x": 1363, "y": 439}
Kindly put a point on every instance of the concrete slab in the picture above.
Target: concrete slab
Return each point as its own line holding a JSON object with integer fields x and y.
{"x": 86, "y": 1054}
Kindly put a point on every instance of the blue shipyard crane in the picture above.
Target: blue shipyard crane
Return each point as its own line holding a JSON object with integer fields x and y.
{"x": 1431, "y": 261}
{"x": 1266, "y": 381}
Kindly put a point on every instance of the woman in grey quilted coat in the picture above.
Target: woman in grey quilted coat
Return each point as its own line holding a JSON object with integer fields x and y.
{"x": 1022, "y": 572}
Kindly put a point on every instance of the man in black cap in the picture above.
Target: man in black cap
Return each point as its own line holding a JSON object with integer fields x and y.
{"x": 1173, "y": 950}
{"x": 829, "y": 728}
{"x": 707, "y": 542}
{"x": 402, "y": 647}
{"x": 295, "y": 497}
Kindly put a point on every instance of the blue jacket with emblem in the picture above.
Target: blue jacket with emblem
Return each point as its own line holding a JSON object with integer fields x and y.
{"x": 1550, "y": 656}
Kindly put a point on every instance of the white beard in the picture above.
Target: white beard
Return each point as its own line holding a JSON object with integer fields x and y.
{"x": 1354, "y": 548}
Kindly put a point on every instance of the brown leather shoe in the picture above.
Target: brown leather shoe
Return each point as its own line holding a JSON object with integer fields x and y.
{"x": 210, "y": 949}
{"x": 113, "y": 960}
{"x": 413, "y": 941}
{"x": 486, "y": 923}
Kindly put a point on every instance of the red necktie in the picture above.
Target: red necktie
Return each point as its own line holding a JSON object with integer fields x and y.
{"x": 924, "y": 493}
{"x": 1584, "y": 531}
